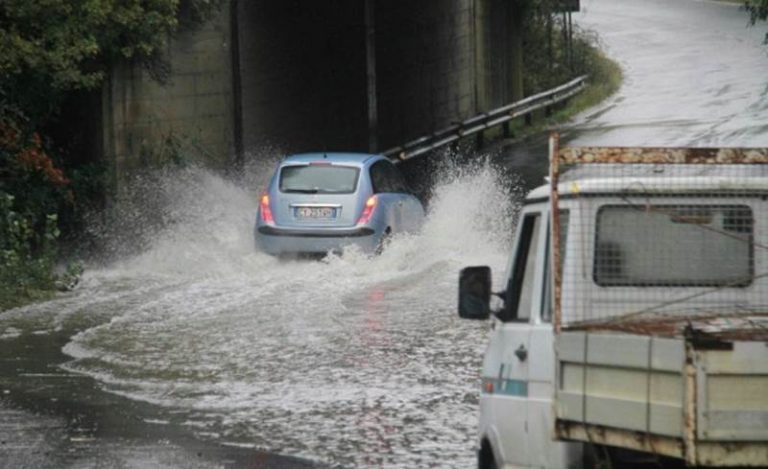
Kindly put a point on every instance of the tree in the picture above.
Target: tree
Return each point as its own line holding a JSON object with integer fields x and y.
{"x": 758, "y": 11}
{"x": 49, "y": 47}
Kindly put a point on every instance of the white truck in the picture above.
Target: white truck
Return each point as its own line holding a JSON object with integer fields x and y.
{"x": 634, "y": 325}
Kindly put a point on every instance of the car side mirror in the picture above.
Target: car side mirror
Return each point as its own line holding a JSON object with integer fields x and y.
{"x": 475, "y": 292}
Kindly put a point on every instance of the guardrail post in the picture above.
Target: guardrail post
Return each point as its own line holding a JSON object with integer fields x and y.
{"x": 507, "y": 129}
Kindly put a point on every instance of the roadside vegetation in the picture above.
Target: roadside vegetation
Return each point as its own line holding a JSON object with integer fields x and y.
{"x": 604, "y": 79}
{"x": 49, "y": 51}
{"x": 758, "y": 11}
{"x": 557, "y": 51}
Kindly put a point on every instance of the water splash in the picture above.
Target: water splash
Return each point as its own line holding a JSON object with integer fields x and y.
{"x": 325, "y": 359}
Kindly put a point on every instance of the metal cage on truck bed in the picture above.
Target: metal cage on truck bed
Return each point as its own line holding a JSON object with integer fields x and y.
{"x": 660, "y": 294}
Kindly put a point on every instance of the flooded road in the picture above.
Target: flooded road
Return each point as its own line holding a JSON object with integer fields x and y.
{"x": 185, "y": 348}
{"x": 350, "y": 361}
{"x": 694, "y": 75}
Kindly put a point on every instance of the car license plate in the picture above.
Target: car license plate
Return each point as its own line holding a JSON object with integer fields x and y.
{"x": 315, "y": 212}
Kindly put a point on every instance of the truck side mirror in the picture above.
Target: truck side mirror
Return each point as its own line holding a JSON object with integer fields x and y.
{"x": 475, "y": 292}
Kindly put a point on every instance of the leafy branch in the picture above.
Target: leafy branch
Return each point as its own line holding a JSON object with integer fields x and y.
{"x": 758, "y": 11}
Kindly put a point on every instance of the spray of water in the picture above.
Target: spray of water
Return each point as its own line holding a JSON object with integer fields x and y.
{"x": 190, "y": 222}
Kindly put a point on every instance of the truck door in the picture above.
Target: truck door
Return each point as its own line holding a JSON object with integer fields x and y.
{"x": 543, "y": 450}
{"x": 504, "y": 401}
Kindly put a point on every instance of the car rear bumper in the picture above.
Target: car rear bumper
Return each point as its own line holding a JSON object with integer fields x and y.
{"x": 291, "y": 233}
{"x": 274, "y": 240}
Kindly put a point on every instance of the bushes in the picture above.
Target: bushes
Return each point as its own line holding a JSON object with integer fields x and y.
{"x": 553, "y": 57}
{"x": 33, "y": 192}
{"x": 758, "y": 11}
{"x": 555, "y": 49}
{"x": 27, "y": 257}
{"x": 50, "y": 49}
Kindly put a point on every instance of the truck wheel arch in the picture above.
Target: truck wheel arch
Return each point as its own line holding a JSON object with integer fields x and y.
{"x": 485, "y": 457}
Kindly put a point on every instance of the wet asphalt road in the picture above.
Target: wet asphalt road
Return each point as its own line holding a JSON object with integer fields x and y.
{"x": 51, "y": 418}
{"x": 194, "y": 351}
{"x": 694, "y": 75}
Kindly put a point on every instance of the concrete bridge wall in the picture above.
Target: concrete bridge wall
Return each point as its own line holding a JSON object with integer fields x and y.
{"x": 146, "y": 122}
{"x": 425, "y": 66}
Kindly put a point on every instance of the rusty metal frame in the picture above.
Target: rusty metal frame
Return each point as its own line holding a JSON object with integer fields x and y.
{"x": 639, "y": 441}
{"x": 688, "y": 446}
{"x": 554, "y": 213}
{"x": 624, "y": 155}
{"x": 735, "y": 454}
{"x": 671, "y": 155}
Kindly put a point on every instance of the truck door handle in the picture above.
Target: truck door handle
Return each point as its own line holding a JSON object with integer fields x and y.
{"x": 521, "y": 353}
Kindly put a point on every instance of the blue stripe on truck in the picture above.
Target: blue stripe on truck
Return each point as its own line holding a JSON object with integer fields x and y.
{"x": 507, "y": 387}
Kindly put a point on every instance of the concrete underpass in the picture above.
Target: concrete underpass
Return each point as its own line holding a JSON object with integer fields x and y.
{"x": 293, "y": 76}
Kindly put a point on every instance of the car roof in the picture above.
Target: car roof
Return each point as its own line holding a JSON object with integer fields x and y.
{"x": 333, "y": 157}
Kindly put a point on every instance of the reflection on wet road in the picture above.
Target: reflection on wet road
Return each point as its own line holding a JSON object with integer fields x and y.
{"x": 352, "y": 361}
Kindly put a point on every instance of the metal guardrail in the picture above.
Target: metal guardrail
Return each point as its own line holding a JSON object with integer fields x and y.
{"x": 486, "y": 120}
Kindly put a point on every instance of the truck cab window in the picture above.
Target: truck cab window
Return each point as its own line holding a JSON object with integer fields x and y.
{"x": 674, "y": 246}
{"x": 519, "y": 292}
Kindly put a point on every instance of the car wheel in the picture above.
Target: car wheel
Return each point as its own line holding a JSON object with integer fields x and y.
{"x": 386, "y": 238}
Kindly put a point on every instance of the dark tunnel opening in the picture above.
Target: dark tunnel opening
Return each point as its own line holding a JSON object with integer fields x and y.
{"x": 290, "y": 76}
{"x": 303, "y": 75}
{"x": 303, "y": 71}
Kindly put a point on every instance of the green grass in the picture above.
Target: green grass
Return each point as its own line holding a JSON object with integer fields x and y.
{"x": 604, "y": 79}
{"x": 603, "y": 83}
{"x": 11, "y": 298}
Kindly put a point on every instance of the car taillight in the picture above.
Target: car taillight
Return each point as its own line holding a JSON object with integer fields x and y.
{"x": 370, "y": 204}
{"x": 266, "y": 211}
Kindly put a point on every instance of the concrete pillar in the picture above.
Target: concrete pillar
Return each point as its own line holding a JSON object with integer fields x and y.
{"x": 190, "y": 117}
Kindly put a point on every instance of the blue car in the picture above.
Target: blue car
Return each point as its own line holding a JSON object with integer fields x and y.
{"x": 322, "y": 202}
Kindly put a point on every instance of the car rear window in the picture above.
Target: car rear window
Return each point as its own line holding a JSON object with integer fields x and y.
{"x": 319, "y": 179}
